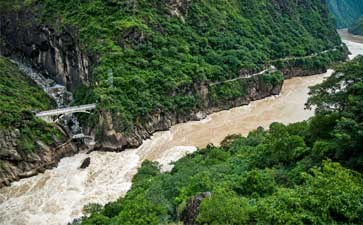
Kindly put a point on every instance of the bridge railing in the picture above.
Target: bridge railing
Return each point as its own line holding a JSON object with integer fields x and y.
{"x": 68, "y": 110}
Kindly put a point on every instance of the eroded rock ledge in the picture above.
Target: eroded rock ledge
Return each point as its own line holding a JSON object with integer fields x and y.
{"x": 112, "y": 140}
{"x": 15, "y": 164}
{"x": 60, "y": 55}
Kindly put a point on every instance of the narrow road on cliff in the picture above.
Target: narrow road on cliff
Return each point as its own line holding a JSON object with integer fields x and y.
{"x": 57, "y": 196}
{"x": 272, "y": 68}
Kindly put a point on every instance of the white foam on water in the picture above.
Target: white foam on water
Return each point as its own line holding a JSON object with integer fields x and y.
{"x": 58, "y": 195}
{"x": 172, "y": 155}
{"x": 355, "y": 48}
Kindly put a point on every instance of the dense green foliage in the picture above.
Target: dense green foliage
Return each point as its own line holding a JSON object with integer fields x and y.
{"x": 357, "y": 27}
{"x": 345, "y": 12}
{"x": 339, "y": 102}
{"x": 14, "y": 5}
{"x": 18, "y": 98}
{"x": 149, "y": 60}
{"x": 17, "y": 94}
{"x": 314, "y": 62}
{"x": 304, "y": 173}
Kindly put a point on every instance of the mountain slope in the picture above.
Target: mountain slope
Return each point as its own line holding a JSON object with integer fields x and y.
{"x": 357, "y": 27}
{"x": 304, "y": 173}
{"x": 149, "y": 64}
{"x": 345, "y": 12}
{"x": 26, "y": 143}
{"x": 18, "y": 97}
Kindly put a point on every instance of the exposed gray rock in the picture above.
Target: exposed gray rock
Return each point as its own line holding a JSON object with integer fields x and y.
{"x": 114, "y": 139}
{"x": 290, "y": 72}
{"x": 58, "y": 53}
{"x": 8, "y": 144}
{"x": 15, "y": 164}
{"x": 190, "y": 213}
{"x": 179, "y": 8}
{"x": 55, "y": 52}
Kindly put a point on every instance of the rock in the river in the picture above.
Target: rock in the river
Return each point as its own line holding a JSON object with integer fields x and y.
{"x": 86, "y": 162}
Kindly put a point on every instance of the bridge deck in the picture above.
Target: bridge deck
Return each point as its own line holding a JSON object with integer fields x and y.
{"x": 81, "y": 136}
{"x": 68, "y": 110}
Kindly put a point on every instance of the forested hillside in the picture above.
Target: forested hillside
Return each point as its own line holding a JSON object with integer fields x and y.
{"x": 26, "y": 142}
{"x": 345, "y": 12}
{"x": 357, "y": 27}
{"x": 19, "y": 97}
{"x": 152, "y": 62}
{"x": 304, "y": 173}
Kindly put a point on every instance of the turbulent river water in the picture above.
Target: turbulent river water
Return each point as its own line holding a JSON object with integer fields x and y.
{"x": 58, "y": 195}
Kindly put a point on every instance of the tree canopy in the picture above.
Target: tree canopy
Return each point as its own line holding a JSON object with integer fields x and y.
{"x": 304, "y": 173}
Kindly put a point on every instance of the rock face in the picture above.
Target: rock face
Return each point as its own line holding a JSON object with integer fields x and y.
{"x": 190, "y": 214}
{"x": 57, "y": 53}
{"x": 295, "y": 71}
{"x": 8, "y": 144}
{"x": 112, "y": 140}
{"x": 16, "y": 164}
{"x": 179, "y": 8}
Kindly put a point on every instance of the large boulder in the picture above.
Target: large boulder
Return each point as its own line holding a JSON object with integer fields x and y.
{"x": 86, "y": 162}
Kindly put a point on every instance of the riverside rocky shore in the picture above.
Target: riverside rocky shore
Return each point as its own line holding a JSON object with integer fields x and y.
{"x": 16, "y": 165}
{"x": 58, "y": 53}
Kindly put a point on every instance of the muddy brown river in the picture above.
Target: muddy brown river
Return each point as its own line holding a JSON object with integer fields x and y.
{"x": 58, "y": 195}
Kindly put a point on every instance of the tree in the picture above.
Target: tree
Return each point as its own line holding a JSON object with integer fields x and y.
{"x": 340, "y": 98}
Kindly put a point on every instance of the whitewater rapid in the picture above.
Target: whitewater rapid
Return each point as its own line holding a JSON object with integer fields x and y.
{"x": 57, "y": 196}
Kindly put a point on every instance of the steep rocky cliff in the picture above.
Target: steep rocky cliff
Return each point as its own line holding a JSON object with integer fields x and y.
{"x": 252, "y": 89}
{"x": 16, "y": 164}
{"x": 151, "y": 64}
{"x": 57, "y": 53}
{"x": 27, "y": 145}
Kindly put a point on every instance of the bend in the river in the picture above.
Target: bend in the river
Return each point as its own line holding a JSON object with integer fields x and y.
{"x": 58, "y": 195}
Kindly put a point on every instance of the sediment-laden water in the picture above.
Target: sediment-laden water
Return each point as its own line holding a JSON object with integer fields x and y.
{"x": 58, "y": 195}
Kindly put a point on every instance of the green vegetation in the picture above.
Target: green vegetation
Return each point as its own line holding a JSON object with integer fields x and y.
{"x": 304, "y": 173}
{"x": 315, "y": 62}
{"x": 18, "y": 94}
{"x": 222, "y": 93}
{"x": 18, "y": 98}
{"x": 345, "y": 12}
{"x": 357, "y": 27}
{"x": 14, "y": 5}
{"x": 157, "y": 61}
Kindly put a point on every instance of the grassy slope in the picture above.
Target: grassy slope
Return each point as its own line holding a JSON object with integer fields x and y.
{"x": 18, "y": 97}
{"x": 282, "y": 176}
{"x": 156, "y": 59}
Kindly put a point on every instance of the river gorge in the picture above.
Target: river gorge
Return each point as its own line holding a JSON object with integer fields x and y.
{"x": 57, "y": 196}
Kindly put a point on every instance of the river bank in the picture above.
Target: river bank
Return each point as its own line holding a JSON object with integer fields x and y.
{"x": 58, "y": 195}
{"x": 353, "y": 42}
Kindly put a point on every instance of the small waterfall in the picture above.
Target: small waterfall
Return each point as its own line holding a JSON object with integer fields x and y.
{"x": 57, "y": 92}
{"x": 61, "y": 193}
